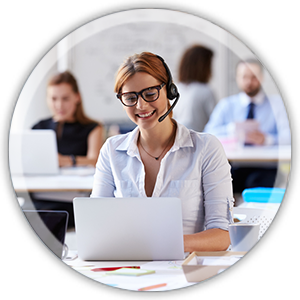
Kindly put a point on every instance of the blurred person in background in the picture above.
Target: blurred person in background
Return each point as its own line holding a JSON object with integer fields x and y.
{"x": 79, "y": 138}
{"x": 198, "y": 100}
{"x": 254, "y": 117}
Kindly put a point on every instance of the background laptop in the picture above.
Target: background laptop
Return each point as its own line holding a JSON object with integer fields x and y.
{"x": 33, "y": 152}
{"x": 129, "y": 228}
{"x": 50, "y": 226}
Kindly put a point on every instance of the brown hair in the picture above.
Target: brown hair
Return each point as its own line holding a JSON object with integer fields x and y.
{"x": 146, "y": 62}
{"x": 195, "y": 65}
{"x": 67, "y": 77}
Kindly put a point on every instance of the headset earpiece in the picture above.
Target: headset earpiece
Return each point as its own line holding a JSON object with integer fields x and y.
{"x": 172, "y": 91}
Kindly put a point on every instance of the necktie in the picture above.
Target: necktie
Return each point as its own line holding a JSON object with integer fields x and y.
{"x": 251, "y": 111}
{"x": 250, "y": 116}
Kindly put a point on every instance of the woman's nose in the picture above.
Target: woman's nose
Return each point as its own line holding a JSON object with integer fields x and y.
{"x": 58, "y": 104}
{"x": 141, "y": 104}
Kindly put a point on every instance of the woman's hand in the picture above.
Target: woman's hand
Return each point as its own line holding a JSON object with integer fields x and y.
{"x": 64, "y": 160}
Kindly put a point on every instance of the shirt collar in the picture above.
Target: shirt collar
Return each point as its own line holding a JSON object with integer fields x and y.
{"x": 182, "y": 139}
{"x": 130, "y": 143}
{"x": 257, "y": 99}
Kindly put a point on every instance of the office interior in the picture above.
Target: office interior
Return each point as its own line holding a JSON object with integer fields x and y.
{"x": 93, "y": 55}
{"x": 94, "y": 52}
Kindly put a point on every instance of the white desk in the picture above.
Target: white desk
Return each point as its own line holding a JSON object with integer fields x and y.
{"x": 170, "y": 273}
{"x": 79, "y": 179}
{"x": 258, "y": 154}
{"x": 52, "y": 183}
{"x": 83, "y": 183}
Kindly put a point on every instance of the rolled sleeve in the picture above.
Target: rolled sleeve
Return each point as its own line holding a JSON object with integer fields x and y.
{"x": 217, "y": 186}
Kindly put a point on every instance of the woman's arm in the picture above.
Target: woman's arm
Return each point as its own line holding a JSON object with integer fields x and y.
{"x": 95, "y": 141}
{"x": 104, "y": 185}
{"x": 214, "y": 239}
{"x": 217, "y": 193}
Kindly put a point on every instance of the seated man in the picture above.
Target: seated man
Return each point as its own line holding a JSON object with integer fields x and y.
{"x": 257, "y": 118}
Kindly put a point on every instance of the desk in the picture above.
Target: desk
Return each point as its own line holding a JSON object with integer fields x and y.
{"x": 84, "y": 183}
{"x": 78, "y": 179}
{"x": 258, "y": 154}
{"x": 172, "y": 275}
{"x": 53, "y": 183}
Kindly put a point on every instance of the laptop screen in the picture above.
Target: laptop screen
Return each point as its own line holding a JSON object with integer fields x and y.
{"x": 50, "y": 226}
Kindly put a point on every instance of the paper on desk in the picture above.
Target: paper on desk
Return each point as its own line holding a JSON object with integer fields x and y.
{"x": 217, "y": 260}
{"x": 130, "y": 272}
{"x": 162, "y": 265}
{"x": 173, "y": 279}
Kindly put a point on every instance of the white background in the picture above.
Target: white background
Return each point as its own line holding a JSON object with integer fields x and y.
{"x": 27, "y": 27}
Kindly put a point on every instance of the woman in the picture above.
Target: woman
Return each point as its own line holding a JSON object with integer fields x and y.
{"x": 79, "y": 138}
{"x": 198, "y": 99}
{"x": 165, "y": 159}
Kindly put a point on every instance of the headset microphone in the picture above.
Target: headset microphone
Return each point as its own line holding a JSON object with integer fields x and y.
{"x": 169, "y": 110}
{"x": 172, "y": 92}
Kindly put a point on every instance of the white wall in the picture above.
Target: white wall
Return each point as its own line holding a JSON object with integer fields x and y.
{"x": 94, "y": 52}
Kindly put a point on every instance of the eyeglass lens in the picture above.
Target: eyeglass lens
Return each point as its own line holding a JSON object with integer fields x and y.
{"x": 149, "y": 95}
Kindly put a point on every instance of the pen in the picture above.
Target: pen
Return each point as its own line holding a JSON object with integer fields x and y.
{"x": 151, "y": 287}
{"x": 114, "y": 268}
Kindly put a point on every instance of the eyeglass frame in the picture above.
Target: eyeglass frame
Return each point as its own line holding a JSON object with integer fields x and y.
{"x": 158, "y": 87}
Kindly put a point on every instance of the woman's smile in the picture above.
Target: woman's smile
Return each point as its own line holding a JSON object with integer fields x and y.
{"x": 145, "y": 115}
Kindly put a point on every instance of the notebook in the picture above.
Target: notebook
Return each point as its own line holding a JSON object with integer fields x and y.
{"x": 132, "y": 229}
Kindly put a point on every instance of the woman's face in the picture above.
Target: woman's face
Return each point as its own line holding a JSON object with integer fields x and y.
{"x": 145, "y": 114}
{"x": 62, "y": 101}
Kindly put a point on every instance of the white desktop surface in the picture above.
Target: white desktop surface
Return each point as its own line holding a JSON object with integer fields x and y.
{"x": 169, "y": 272}
{"x": 82, "y": 180}
{"x": 69, "y": 179}
{"x": 262, "y": 154}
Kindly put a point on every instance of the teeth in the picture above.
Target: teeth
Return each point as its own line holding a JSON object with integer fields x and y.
{"x": 146, "y": 115}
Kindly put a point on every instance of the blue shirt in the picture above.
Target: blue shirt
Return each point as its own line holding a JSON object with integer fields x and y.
{"x": 195, "y": 170}
{"x": 269, "y": 112}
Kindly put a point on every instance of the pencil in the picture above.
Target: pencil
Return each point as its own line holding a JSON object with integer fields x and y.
{"x": 151, "y": 287}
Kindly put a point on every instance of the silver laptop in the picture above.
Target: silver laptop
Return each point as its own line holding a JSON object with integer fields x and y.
{"x": 33, "y": 152}
{"x": 129, "y": 228}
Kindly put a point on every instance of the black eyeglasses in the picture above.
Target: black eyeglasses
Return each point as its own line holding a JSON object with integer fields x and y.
{"x": 149, "y": 95}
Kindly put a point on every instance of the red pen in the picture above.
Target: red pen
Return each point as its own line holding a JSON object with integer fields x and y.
{"x": 114, "y": 268}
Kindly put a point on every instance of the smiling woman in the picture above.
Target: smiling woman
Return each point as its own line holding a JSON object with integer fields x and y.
{"x": 162, "y": 158}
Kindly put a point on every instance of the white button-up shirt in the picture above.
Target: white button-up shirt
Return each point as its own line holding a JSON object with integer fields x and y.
{"x": 195, "y": 170}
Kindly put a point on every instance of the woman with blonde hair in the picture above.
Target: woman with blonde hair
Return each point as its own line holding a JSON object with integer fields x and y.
{"x": 162, "y": 158}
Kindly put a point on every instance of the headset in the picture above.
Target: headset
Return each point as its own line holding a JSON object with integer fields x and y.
{"x": 172, "y": 91}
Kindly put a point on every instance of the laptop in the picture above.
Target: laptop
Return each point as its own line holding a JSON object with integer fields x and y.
{"x": 33, "y": 152}
{"x": 134, "y": 229}
{"x": 51, "y": 227}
